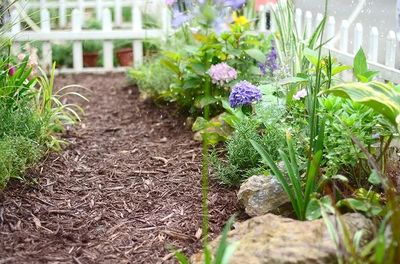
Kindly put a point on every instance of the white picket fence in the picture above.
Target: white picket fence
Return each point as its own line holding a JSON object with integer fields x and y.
{"x": 337, "y": 33}
{"x": 339, "y": 44}
{"x": 137, "y": 34}
{"x": 62, "y": 8}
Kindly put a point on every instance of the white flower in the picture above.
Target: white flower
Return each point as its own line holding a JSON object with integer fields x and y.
{"x": 300, "y": 94}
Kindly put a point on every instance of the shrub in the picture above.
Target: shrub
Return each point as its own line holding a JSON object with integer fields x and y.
{"x": 242, "y": 160}
{"x": 152, "y": 78}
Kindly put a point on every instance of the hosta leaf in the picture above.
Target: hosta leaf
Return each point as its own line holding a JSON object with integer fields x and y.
{"x": 383, "y": 98}
{"x": 257, "y": 54}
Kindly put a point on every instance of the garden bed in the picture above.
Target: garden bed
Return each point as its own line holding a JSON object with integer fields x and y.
{"x": 127, "y": 188}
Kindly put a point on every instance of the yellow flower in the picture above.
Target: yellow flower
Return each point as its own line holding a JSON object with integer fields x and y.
{"x": 239, "y": 20}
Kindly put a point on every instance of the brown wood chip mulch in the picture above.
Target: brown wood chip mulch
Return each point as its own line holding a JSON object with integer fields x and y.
{"x": 126, "y": 190}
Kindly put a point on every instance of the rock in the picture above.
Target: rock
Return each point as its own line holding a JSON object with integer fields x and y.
{"x": 273, "y": 239}
{"x": 262, "y": 194}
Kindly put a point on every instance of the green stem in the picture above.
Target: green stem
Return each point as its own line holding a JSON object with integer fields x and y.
{"x": 205, "y": 170}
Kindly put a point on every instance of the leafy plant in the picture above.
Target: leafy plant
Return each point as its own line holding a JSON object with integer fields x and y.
{"x": 152, "y": 78}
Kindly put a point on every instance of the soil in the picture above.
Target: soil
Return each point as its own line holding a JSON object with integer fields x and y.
{"x": 125, "y": 190}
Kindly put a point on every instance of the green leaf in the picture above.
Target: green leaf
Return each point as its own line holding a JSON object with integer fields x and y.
{"x": 339, "y": 69}
{"x": 182, "y": 259}
{"x": 313, "y": 210}
{"x": 293, "y": 80}
{"x": 360, "y": 63}
{"x": 257, "y": 54}
{"x": 206, "y": 100}
{"x": 199, "y": 68}
{"x": 170, "y": 65}
{"x": 311, "y": 56}
{"x": 200, "y": 124}
{"x": 374, "y": 178}
{"x": 354, "y": 204}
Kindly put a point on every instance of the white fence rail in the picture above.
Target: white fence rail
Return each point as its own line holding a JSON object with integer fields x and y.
{"x": 337, "y": 32}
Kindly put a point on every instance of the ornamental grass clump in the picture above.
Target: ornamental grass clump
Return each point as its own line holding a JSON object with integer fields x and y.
{"x": 244, "y": 93}
{"x": 222, "y": 73}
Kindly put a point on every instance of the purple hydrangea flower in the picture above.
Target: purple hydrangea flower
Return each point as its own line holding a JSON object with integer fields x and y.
{"x": 244, "y": 93}
{"x": 222, "y": 73}
{"x": 300, "y": 94}
{"x": 180, "y": 18}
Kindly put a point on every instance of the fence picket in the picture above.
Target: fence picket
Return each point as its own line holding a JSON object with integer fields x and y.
{"x": 46, "y": 47}
{"x": 308, "y": 24}
{"x": 15, "y": 29}
{"x": 390, "y": 58}
{"x": 358, "y": 37}
{"x": 373, "y": 45}
{"x": 344, "y": 36}
{"x": 108, "y": 49}
{"x": 298, "y": 21}
{"x": 62, "y": 13}
{"x": 118, "y": 13}
{"x": 330, "y": 31}
{"x": 99, "y": 9}
{"x": 138, "y": 43}
{"x": 77, "y": 51}
{"x": 262, "y": 20}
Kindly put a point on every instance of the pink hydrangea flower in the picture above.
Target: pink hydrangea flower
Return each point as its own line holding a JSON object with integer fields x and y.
{"x": 222, "y": 73}
{"x": 300, "y": 94}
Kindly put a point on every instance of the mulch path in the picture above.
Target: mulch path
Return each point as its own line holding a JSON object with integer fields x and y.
{"x": 126, "y": 190}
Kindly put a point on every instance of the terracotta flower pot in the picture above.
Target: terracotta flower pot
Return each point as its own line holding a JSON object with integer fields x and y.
{"x": 125, "y": 57}
{"x": 90, "y": 59}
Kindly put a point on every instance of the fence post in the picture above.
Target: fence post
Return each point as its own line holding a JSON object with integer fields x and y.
{"x": 138, "y": 43}
{"x": 262, "y": 23}
{"x": 46, "y": 47}
{"x": 373, "y": 45}
{"x": 108, "y": 49}
{"x": 77, "y": 45}
{"x": 99, "y": 9}
{"x": 298, "y": 21}
{"x": 344, "y": 36}
{"x": 62, "y": 13}
{"x": 330, "y": 31}
{"x": 118, "y": 13}
{"x": 15, "y": 29}
{"x": 81, "y": 8}
{"x": 308, "y": 25}
{"x": 165, "y": 21}
{"x": 390, "y": 58}
{"x": 358, "y": 37}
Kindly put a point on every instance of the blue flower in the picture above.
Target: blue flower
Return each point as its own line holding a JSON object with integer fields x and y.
{"x": 234, "y": 4}
{"x": 244, "y": 93}
{"x": 180, "y": 18}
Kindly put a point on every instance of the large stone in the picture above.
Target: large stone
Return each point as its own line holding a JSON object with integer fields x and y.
{"x": 262, "y": 194}
{"x": 271, "y": 239}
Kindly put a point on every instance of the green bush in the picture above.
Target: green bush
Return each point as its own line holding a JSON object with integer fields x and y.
{"x": 152, "y": 78}
{"x": 16, "y": 155}
{"x": 242, "y": 160}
